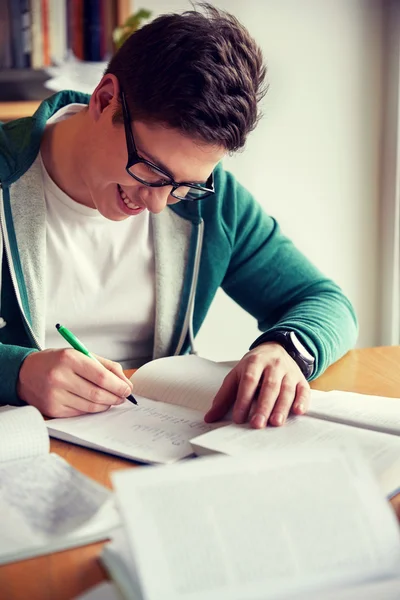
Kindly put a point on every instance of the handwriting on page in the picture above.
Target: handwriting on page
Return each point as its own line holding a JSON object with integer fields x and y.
{"x": 151, "y": 432}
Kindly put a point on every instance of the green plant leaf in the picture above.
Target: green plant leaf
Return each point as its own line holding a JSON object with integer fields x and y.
{"x": 135, "y": 19}
{"x": 132, "y": 24}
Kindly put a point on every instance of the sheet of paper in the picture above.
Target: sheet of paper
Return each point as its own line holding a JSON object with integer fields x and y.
{"x": 47, "y": 505}
{"x": 117, "y": 559}
{"x": 375, "y": 590}
{"x": 103, "y": 591}
{"x": 381, "y": 450}
{"x": 370, "y": 412}
{"x": 120, "y": 565}
{"x": 152, "y": 432}
{"x": 182, "y": 380}
{"x": 252, "y": 527}
{"x": 74, "y": 74}
{"x": 23, "y": 433}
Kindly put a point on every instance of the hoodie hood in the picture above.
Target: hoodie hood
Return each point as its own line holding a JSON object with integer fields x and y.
{"x": 20, "y": 139}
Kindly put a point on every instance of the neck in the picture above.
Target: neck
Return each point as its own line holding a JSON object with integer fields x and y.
{"x": 63, "y": 148}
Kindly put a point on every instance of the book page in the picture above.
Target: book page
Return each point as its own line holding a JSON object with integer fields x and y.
{"x": 388, "y": 589}
{"x": 181, "y": 380}
{"x": 255, "y": 526}
{"x": 381, "y": 450}
{"x": 369, "y": 412}
{"x": 47, "y": 505}
{"x": 102, "y": 591}
{"x": 117, "y": 559}
{"x": 152, "y": 432}
{"x": 119, "y": 563}
{"x": 23, "y": 433}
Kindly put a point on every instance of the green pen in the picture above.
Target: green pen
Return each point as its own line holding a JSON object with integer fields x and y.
{"x": 77, "y": 344}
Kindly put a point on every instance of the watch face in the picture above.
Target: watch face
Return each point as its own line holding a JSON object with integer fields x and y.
{"x": 300, "y": 348}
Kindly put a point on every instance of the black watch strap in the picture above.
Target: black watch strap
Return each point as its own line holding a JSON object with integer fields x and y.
{"x": 291, "y": 343}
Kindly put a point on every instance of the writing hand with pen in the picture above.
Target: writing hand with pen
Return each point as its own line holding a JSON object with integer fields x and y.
{"x": 69, "y": 382}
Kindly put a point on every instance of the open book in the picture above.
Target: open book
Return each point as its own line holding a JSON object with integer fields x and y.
{"x": 117, "y": 559}
{"x": 45, "y": 504}
{"x": 173, "y": 395}
{"x": 175, "y": 392}
{"x": 256, "y": 528}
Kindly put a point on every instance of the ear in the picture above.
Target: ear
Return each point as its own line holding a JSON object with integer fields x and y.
{"x": 105, "y": 96}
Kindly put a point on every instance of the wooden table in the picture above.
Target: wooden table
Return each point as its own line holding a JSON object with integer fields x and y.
{"x": 64, "y": 575}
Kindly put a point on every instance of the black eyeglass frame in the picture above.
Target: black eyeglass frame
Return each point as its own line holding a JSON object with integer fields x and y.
{"x": 134, "y": 158}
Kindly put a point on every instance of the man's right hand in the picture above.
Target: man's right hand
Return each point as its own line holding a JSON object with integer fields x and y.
{"x": 66, "y": 383}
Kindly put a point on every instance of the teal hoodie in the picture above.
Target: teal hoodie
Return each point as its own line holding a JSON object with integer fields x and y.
{"x": 223, "y": 241}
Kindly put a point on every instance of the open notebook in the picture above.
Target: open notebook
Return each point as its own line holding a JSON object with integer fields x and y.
{"x": 302, "y": 525}
{"x": 175, "y": 392}
{"x": 45, "y": 504}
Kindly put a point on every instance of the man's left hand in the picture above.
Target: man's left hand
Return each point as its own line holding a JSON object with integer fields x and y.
{"x": 263, "y": 388}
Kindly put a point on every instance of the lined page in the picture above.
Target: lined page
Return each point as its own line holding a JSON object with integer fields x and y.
{"x": 381, "y": 450}
{"x": 188, "y": 381}
{"x": 47, "y": 505}
{"x": 370, "y": 412}
{"x": 152, "y": 432}
{"x": 23, "y": 433}
{"x": 255, "y": 526}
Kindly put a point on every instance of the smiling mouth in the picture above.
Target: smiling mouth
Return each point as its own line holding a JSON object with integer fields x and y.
{"x": 126, "y": 200}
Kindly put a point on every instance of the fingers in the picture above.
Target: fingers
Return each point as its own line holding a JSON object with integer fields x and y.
{"x": 248, "y": 387}
{"x": 64, "y": 382}
{"x": 274, "y": 402}
{"x": 90, "y": 370}
{"x": 72, "y": 405}
{"x": 303, "y": 398}
{"x": 223, "y": 399}
{"x": 91, "y": 392}
{"x": 115, "y": 368}
{"x": 267, "y": 396}
{"x": 263, "y": 389}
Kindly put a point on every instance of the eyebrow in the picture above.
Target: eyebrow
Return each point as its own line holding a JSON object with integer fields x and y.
{"x": 158, "y": 163}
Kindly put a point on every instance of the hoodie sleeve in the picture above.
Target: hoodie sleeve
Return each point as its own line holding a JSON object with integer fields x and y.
{"x": 11, "y": 359}
{"x": 272, "y": 280}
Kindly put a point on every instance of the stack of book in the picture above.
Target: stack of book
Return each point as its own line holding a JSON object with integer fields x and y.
{"x": 35, "y": 34}
{"x": 296, "y": 524}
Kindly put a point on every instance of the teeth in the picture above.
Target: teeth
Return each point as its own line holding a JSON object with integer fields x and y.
{"x": 126, "y": 200}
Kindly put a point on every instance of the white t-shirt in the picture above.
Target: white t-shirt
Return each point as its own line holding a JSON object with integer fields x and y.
{"x": 100, "y": 275}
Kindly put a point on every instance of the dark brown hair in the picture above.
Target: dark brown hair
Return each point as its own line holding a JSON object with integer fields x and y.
{"x": 199, "y": 72}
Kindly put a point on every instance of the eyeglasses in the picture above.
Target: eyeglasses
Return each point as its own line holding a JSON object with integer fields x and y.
{"x": 151, "y": 175}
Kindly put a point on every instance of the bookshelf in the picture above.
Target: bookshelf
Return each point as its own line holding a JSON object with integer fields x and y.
{"x": 22, "y": 74}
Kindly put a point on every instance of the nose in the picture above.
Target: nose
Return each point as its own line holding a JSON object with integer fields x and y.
{"x": 156, "y": 199}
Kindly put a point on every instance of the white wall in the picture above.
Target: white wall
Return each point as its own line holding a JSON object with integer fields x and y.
{"x": 313, "y": 161}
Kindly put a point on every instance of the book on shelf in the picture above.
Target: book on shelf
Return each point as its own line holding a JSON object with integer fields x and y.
{"x": 296, "y": 524}
{"x": 168, "y": 425}
{"x": 38, "y": 33}
{"x": 45, "y": 504}
{"x": 38, "y": 36}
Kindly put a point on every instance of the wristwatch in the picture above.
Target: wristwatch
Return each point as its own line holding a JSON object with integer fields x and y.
{"x": 293, "y": 346}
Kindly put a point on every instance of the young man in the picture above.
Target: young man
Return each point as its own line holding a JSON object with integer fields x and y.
{"x": 118, "y": 220}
